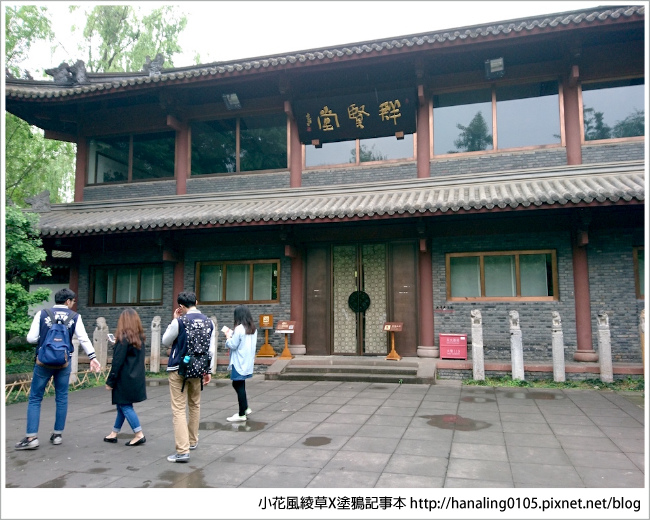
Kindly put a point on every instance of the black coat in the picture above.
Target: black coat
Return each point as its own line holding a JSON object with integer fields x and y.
{"x": 127, "y": 376}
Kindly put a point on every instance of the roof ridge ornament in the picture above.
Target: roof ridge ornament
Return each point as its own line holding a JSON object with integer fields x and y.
{"x": 67, "y": 75}
{"x": 153, "y": 67}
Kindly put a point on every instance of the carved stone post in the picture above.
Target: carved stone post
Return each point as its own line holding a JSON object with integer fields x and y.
{"x": 516, "y": 347}
{"x": 559, "y": 375}
{"x": 605, "y": 347}
{"x": 154, "y": 357}
{"x": 478, "y": 361}
{"x": 75, "y": 361}
{"x": 100, "y": 340}
{"x": 213, "y": 365}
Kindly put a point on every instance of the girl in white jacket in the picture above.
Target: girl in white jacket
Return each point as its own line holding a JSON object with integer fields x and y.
{"x": 242, "y": 342}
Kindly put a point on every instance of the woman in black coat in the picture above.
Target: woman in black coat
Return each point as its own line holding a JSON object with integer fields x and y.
{"x": 127, "y": 377}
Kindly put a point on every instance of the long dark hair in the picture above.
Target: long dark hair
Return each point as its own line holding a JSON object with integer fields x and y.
{"x": 129, "y": 328}
{"x": 243, "y": 317}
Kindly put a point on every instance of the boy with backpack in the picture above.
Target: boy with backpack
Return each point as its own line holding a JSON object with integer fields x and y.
{"x": 191, "y": 336}
{"x": 53, "y": 329}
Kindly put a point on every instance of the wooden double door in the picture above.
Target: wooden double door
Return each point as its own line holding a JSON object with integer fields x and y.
{"x": 352, "y": 289}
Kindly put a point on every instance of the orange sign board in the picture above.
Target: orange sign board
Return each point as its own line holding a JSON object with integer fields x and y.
{"x": 285, "y": 327}
{"x": 393, "y": 326}
{"x": 266, "y": 321}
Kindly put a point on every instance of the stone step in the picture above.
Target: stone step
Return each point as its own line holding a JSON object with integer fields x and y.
{"x": 348, "y": 376}
{"x": 357, "y": 369}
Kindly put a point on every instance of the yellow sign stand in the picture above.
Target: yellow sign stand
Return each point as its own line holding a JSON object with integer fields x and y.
{"x": 393, "y": 327}
{"x": 286, "y": 328}
{"x": 266, "y": 323}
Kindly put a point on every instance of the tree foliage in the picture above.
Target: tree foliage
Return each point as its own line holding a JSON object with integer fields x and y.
{"x": 117, "y": 38}
{"x": 23, "y": 26}
{"x": 474, "y": 137}
{"x": 24, "y": 259}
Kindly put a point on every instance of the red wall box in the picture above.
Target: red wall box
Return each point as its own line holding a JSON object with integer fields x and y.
{"x": 453, "y": 346}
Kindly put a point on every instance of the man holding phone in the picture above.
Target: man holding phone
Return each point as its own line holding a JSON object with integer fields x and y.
{"x": 182, "y": 331}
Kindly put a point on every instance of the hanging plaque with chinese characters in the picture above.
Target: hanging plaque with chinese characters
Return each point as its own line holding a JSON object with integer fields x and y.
{"x": 356, "y": 116}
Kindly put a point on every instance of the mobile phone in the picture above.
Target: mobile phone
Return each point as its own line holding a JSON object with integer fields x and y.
{"x": 111, "y": 338}
{"x": 225, "y": 329}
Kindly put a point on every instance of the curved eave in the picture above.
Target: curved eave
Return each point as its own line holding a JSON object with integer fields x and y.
{"x": 622, "y": 183}
{"x": 550, "y": 23}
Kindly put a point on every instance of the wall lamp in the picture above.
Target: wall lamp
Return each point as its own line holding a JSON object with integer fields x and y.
{"x": 494, "y": 68}
{"x": 231, "y": 101}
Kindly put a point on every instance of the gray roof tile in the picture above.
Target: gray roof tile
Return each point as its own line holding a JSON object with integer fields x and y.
{"x": 521, "y": 188}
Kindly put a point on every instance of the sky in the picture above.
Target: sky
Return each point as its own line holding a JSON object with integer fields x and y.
{"x": 231, "y": 30}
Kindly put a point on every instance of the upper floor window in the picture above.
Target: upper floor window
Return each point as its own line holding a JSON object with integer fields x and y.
{"x": 613, "y": 109}
{"x": 360, "y": 151}
{"x": 130, "y": 158}
{"x": 639, "y": 272}
{"x": 242, "y": 144}
{"x": 238, "y": 282}
{"x": 126, "y": 284}
{"x": 504, "y": 275}
{"x": 525, "y": 114}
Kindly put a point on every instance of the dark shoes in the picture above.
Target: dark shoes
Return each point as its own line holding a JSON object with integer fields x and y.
{"x": 110, "y": 439}
{"x": 26, "y": 444}
{"x": 141, "y": 440}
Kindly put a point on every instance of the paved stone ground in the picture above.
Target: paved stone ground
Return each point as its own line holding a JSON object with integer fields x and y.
{"x": 341, "y": 435}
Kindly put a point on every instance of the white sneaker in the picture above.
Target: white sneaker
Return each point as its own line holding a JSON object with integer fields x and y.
{"x": 236, "y": 418}
{"x": 248, "y": 411}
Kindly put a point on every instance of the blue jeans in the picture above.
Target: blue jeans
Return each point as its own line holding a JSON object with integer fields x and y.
{"x": 126, "y": 411}
{"x": 40, "y": 378}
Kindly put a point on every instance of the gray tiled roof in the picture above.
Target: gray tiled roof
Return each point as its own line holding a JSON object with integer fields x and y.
{"x": 106, "y": 82}
{"x": 591, "y": 184}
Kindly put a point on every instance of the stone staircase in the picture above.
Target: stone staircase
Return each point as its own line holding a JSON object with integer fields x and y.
{"x": 348, "y": 368}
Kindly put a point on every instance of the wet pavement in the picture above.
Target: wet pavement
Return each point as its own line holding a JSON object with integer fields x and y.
{"x": 306, "y": 434}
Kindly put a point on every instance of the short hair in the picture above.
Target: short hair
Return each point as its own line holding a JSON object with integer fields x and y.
{"x": 63, "y": 295}
{"x": 187, "y": 298}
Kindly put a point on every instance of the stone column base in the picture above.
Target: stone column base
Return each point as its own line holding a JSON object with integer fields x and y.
{"x": 585, "y": 355}
{"x": 428, "y": 351}
{"x": 297, "y": 350}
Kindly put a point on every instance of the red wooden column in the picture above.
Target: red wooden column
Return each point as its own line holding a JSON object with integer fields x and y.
{"x": 178, "y": 284}
{"x": 425, "y": 305}
{"x": 74, "y": 279}
{"x": 182, "y": 165}
{"x": 297, "y": 292}
{"x": 572, "y": 118}
{"x": 423, "y": 157}
{"x": 80, "y": 169}
{"x": 585, "y": 350}
{"x": 295, "y": 150}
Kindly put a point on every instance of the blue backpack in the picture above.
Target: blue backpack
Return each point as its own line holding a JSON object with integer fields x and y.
{"x": 57, "y": 345}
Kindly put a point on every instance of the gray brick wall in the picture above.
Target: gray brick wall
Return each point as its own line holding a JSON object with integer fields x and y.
{"x": 611, "y": 272}
{"x": 495, "y": 162}
{"x": 359, "y": 174}
{"x": 615, "y": 152}
{"x": 135, "y": 190}
{"x": 258, "y": 182}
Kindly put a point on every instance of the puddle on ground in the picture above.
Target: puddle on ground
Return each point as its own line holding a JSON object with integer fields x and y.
{"x": 534, "y": 395}
{"x": 471, "y": 399}
{"x": 58, "y": 482}
{"x": 131, "y": 468}
{"x": 377, "y": 388}
{"x": 244, "y": 426}
{"x": 317, "y": 441}
{"x": 455, "y": 422}
{"x": 96, "y": 470}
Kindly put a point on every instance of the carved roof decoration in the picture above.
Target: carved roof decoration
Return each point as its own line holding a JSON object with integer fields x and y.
{"x": 517, "y": 189}
{"x": 96, "y": 83}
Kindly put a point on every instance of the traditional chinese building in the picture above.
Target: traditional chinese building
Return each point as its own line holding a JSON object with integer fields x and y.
{"x": 410, "y": 179}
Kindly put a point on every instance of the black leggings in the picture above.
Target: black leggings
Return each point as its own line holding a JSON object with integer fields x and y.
{"x": 240, "y": 388}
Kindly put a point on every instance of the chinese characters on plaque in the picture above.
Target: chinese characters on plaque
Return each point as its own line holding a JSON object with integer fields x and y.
{"x": 356, "y": 116}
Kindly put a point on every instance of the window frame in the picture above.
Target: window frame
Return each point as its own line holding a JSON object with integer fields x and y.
{"x": 116, "y": 267}
{"x": 224, "y": 287}
{"x": 638, "y": 287}
{"x": 495, "y": 130}
{"x": 129, "y": 177}
{"x": 238, "y": 170}
{"x": 516, "y": 254}
{"x": 582, "y": 113}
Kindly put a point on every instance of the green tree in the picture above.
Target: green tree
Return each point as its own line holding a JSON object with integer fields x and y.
{"x": 632, "y": 126}
{"x": 474, "y": 137}
{"x": 117, "y": 38}
{"x": 366, "y": 154}
{"x": 23, "y": 26}
{"x": 24, "y": 259}
{"x": 595, "y": 126}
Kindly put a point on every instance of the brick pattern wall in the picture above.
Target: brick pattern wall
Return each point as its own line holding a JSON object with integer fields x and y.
{"x": 258, "y": 182}
{"x": 615, "y": 152}
{"x": 359, "y": 174}
{"x": 135, "y": 190}
{"x": 611, "y": 272}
